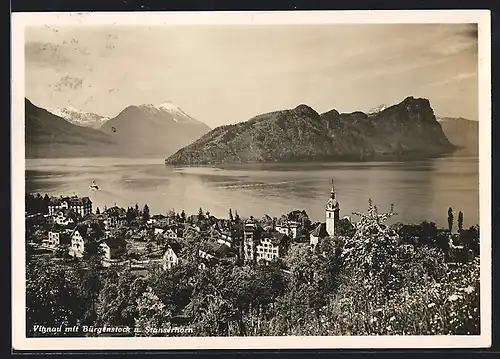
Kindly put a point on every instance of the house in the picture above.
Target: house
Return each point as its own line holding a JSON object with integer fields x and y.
{"x": 63, "y": 217}
{"x": 114, "y": 217}
{"x": 211, "y": 252}
{"x": 110, "y": 222}
{"x": 172, "y": 255}
{"x": 78, "y": 241}
{"x": 158, "y": 220}
{"x": 316, "y": 234}
{"x": 57, "y": 203}
{"x": 251, "y": 239}
{"x": 272, "y": 245}
{"x": 170, "y": 234}
{"x": 58, "y": 237}
{"x": 268, "y": 223}
{"x": 160, "y": 229}
{"x": 81, "y": 206}
{"x": 92, "y": 218}
{"x": 288, "y": 228}
{"x": 113, "y": 248}
{"x": 80, "y": 238}
{"x": 225, "y": 237}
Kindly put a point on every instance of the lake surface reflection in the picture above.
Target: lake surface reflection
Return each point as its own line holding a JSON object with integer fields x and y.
{"x": 420, "y": 190}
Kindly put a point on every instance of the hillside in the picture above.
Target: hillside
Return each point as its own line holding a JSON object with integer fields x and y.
{"x": 50, "y": 136}
{"x": 406, "y": 130}
{"x": 462, "y": 133}
{"x": 153, "y": 129}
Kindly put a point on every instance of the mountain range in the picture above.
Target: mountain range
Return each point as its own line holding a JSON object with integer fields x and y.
{"x": 406, "y": 130}
{"x": 289, "y": 135}
{"x": 145, "y": 130}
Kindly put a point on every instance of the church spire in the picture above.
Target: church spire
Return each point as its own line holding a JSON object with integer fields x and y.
{"x": 333, "y": 190}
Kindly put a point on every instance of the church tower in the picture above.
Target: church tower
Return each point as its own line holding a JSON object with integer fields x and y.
{"x": 332, "y": 212}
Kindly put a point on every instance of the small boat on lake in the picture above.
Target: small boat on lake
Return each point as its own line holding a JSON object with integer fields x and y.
{"x": 94, "y": 186}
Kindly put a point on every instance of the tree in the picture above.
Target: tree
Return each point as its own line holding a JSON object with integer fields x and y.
{"x": 97, "y": 211}
{"x": 145, "y": 213}
{"x": 200, "y": 214}
{"x": 130, "y": 215}
{"x": 237, "y": 219}
{"x": 52, "y": 297}
{"x": 46, "y": 202}
{"x": 460, "y": 221}
{"x": 151, "y": 314}
{"x": 450, "y": 219}
{"x": 345, "y": 228}
{"x": 231, "y": 218}
{"x": 117, "y": 302}
{"x": 470, "y": 239}
{"x": 183, "y": 216}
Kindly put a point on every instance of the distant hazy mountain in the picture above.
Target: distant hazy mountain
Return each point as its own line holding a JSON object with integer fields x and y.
{"x": 463, "y": 133}
{"x": 80, "y": 118}
{"x": 154, "y": 129}
{"x": 49, "y": 136}
{"x": 406, "y": 130}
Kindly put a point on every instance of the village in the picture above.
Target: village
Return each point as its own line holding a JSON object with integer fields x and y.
{"x": 64, "y": 229}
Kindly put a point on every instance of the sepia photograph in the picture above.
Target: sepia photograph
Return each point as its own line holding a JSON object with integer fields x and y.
{"x": 251, "y": 180}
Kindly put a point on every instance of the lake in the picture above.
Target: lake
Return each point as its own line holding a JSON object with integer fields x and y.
{"x": 420, "y": 190}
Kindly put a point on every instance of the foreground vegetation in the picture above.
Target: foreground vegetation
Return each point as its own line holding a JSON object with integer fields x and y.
{"x": 372, "y": 279}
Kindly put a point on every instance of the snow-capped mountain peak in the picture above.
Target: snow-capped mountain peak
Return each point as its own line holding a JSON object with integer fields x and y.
{"x": 72, "y": 109}
{"x": 169, "y": 106}
{"x": 79, "y": 117}
{"x": 176, "y": 113}
{"x": 379, "y": 108}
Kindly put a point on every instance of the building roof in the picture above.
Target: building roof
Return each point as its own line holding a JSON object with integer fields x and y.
{"x": 159, "y": 216}
{"x": 218, "y": 250}
{"x": 176, "y": 247}
{"x": 91, "y": 217}
{"x": 87, "y": 231}
{"x": 114, "y": 211}
{"x": 55, "y": 201}
{"x": 163, "y": 226}
{"x": 114, "y": 242}
{"x": 79, "y": 201}
{"x": 73, "y": 200}
{"x": 276, "y": 237}
{"x": 319, "y": 231}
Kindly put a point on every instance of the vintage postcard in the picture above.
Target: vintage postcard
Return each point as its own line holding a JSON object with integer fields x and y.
{"x": 251, "y": 180}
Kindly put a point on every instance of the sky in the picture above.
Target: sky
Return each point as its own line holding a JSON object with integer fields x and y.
{"x": 222, "y": 74}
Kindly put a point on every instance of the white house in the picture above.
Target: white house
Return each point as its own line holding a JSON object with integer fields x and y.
{"x": 272, "y": 245}
{"x": 170, "y": 234}
{"x": 78, "y": 239}
{"x": 171, "y": 255}
{"x": 113, "y": 248}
